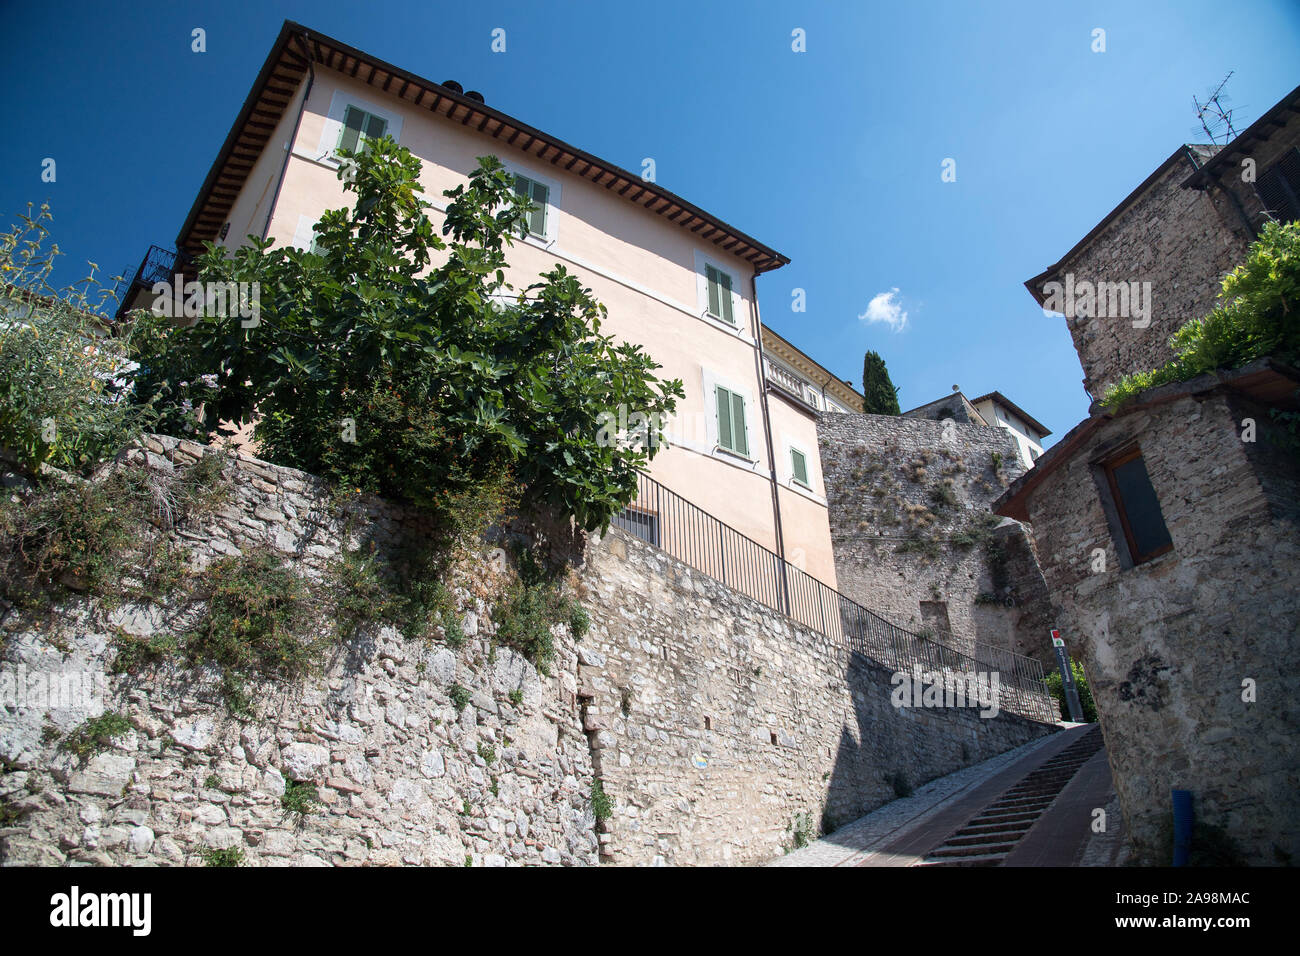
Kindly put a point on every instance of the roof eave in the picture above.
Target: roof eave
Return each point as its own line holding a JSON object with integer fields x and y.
{"x": 1265, "y": 379}
{"x": 1273, "y": 119}
{"x": 763, "y": 258}
{"x": 1035, "y": 284}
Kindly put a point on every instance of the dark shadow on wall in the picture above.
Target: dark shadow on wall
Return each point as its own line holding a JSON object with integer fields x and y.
{"x": 885, "y": 752}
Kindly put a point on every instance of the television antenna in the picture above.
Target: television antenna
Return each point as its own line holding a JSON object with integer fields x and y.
{"x": 1215, "y": 119}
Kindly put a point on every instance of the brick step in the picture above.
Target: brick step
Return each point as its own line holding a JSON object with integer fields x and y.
{"x": 987, "y": 817}
{"x": 1046, "y": 796}
{"x": 961, "y": 838}
{"x": 988, "y": 837}
{"x": 991, "y": 859}
{"x": 979, "y": 849}
{"x": 1018, "y": 825}
{"x": 1056, "y": 773}
{"x": 999, "y": 809}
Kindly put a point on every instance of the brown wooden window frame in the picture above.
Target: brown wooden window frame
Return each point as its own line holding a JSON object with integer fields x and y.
{"x": 1108, "y": 467}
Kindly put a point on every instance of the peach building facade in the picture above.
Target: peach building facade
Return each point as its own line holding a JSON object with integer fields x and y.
{"x": 743, "y": 446}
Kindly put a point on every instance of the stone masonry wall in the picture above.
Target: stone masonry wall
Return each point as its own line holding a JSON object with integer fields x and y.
{"x": 1183, "y": 242}
{"x": 893, "y": 534}
{"x": 712, "y": 721}
{"x": 401, "y": 772}
{"x": 1167, "y": 644}
{"x": 718, "y": 725}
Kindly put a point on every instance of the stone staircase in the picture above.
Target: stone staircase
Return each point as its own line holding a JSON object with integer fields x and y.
{"x": 987, "y": 838}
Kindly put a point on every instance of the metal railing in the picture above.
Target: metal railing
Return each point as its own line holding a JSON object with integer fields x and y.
{"x": 668, "y": 521}
{"x": 158, "y": 265}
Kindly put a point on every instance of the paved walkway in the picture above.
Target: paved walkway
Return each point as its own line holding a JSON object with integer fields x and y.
{"x": 903, "y": 831}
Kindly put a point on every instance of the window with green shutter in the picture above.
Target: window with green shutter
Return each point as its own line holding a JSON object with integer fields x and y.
{"x": 538, "y": 194}
{"x": 799, "y": 466}
{"x": 732, "y": 432}
{"x": 359, "y": 126}
{"x": 719, "y": 284}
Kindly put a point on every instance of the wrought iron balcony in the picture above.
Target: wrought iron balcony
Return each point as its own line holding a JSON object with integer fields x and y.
{"x": 158, "y": 265}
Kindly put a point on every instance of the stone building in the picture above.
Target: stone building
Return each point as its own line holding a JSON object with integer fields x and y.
{"x": 1167, "y": 529}
{"x": 1153, "y": 262}
{"x": 915, "y": 539}
{"x": 994, "y": 410}
{"x": 1169, "y": 545}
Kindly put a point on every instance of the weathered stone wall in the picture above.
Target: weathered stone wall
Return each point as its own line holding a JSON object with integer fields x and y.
{"x": 717, "y": 724}
{"x": 712, "y": 721}
{"x": 1183, "y": 242}
{"x": 404, "y": 776}
{"x": 1167, "y": 644}
{"x": 893, "y": 534}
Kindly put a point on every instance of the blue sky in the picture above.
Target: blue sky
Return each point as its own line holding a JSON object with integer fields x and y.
{"x": 832, "y": 156}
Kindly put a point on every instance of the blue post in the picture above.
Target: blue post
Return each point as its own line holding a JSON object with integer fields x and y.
{"x": 1182, "y": 826}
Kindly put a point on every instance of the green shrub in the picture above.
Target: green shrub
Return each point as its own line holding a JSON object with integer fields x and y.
{"x": 579, "y": 620}
{"x": 460, "y": 697}
{"x": 230, "y": 856}
{"x": 257, "y": 611}
{"x": 136, "y": 652}
{"x": 1056, "y": 688}
{"x": 299, "y": 798}
{"x": 363, "y": 595}
{"x": 106, "y": 536}
{"x": 68, "y": 535}
{"x": 602, "y": 807}
{"x": 1256, "y": 318}
{"x": 64, "y": 368}
{"x": 96, "y": 735}
{"x": 801, "y": 831}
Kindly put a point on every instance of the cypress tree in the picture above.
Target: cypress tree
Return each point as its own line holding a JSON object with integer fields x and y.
{"x": 881, "y": 395}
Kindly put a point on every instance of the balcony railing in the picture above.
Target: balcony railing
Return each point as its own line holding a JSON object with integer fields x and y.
{"x": 668, "y": 521}
{"x": 790, "y": 383}
{"x": 158, "y": 265}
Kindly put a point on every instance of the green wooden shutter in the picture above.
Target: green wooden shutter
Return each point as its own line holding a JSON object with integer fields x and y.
{"x": 725, "y": 294}
{"x": 738, "y": 426}
{"x": 538, "y": 195}
{"x": 711, "y": 280}
{"x": 800, "y": 464}
{"x": 724, "y": 418}
{"x": 537, "y": 218}
{"x": 353, "y": 122}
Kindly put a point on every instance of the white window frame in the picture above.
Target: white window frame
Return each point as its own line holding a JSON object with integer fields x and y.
{"x": 305, "y": 234}
{"x": 554, "y": 197}
{"x": 333, "y": 127}
{"x": 711, "y": 382}
{"x": 702, "y": 262}
{"x": 792, "y": 450}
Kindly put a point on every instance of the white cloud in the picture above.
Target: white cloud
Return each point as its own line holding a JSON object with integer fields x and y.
{"x": 885, "y": 307}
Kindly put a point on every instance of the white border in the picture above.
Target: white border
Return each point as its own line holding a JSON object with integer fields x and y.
{"x": 329, "y": 135}
{"x": 710, "y": 381}
{"x": 554, "y": 196}
{"x": 702, "y": 293}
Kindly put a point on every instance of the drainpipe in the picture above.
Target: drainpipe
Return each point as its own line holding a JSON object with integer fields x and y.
{"x": 293, "y": 138}
{"x": 767, "y": 433}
